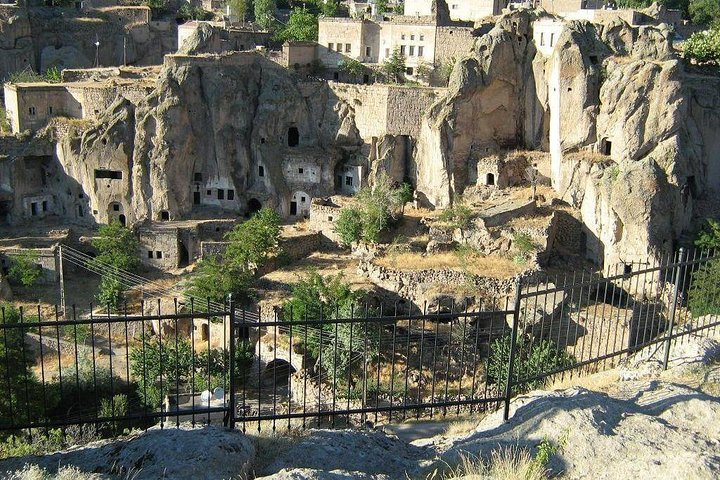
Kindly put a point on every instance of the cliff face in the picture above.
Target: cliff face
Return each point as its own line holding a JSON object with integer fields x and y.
{"x": 632, "y": 134}
{"x": 212, "y": 125}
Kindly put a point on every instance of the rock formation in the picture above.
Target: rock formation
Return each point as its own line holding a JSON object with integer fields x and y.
{"x": 632, "y": 133}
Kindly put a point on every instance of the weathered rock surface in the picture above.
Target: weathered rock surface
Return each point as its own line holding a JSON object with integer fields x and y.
{"x": 208, "y": 453}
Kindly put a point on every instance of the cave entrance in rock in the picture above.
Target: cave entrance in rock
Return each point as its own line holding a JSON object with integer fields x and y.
{"x": 122, "y": 219}
{"x": 183, "y": 255}
{"x": 253, "y": 206}
{"x": 278, "y": 370}
{"x": 606, "y": 146}
{"x": 490, "y": 179}
{"x": 5, "y": 207}
{"x": 293, "y": 137}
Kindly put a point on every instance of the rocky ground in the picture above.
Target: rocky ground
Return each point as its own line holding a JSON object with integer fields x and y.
{"x": 636, "y": 421}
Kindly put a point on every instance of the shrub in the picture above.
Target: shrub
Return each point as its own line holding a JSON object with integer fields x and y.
{"x": 25, "y": 269}
{"x": 523, "y": 243}
{"x": 254, "y": 241}
{"x": 709, "y": 237}
{"x": 214, "y": 281}
{"x": 704, "y": 294}
{"x": 349, "y": 225}
{"x": 703, "y": 46}
{"x": 4, "y": 121}
{"x": 540, "y": 358}
{"x": 394, "y": 67}
{"x": 457, "y": 216}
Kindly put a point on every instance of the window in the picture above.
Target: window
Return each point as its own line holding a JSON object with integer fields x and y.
{"x": 209, "y": 192}
{"x": 301, "y": 170}
{"x": 402, "y": 37}
{"x": 336, "y": 76}
{"x": 368, "y": 50}
{"x": 421, "y": 50}
{"x": 261, "y": 171}
{"x": 422, "y": 38}
{"x": 412, "y": 50}
{"x": 158, "y": 254}
{"x": 150, "y": 254}
{"x": 348, "y": 48}
{"x": 116, "y": 207}
{"x": 221, "y": 194}
{"x": 331, "y": 46}
{"x": 409, "y": 70}
{"x": 231, "y": 195}
{"x": 198, "y": 177}
{"x": 552, "y": 39}
{"x": 44, "y": 206}
{"x": 49, "y": 110}
{"x": 111, "y": 174}
{"x": 302, "y": 199}
{"x": 330, "y": 219}
{"x": 31, "y": 110}
{"x": 349, "y": 181}
{"x": 542, "y": 39}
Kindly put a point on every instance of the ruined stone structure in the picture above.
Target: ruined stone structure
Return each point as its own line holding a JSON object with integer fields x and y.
{"x": 39, "y": 38}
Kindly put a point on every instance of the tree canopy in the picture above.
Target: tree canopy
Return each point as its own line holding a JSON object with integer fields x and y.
{"x": 302, "y": 26}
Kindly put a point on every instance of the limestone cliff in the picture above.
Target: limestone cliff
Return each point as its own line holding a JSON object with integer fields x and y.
{"x": 632, "y": 133}
{"x": 231, "y": 131}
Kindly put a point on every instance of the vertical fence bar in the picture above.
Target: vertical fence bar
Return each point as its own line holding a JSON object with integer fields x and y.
{"x": 513, "y": 341}
{"x": 231, "y": 383}
{"x": 673, "y": 308}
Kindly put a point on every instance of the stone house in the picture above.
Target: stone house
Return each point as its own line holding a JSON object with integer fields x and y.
{"x": 425, "y": 41}
{"x": 464, "y": 10}
{"x": 232, "y": 37}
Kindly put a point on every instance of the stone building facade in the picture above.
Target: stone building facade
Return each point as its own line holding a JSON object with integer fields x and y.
{"x": 466, "y": 10}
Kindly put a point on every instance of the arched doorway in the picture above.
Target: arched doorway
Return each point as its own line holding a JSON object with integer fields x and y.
{"x": 122, "y": 220}
{"x": 490, "y": 179}
{"x": 300, "y": 204}
{"x": 278, "y": 371}
{"x": 253, "y": 206}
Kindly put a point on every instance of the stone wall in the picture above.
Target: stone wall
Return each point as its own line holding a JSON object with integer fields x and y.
{"x": 387, "y": 109}
{"x": 452, "y": 42}
{"x": 323, "y": 217}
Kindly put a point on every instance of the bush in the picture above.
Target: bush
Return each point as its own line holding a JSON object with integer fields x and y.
{"x": 703, "y": 46}
{"x": 254, "y": 241}
{"x": 214, "y": 281}
{"x": 523, "y": 243}
{"x": 457, "y": 216}
{"x": 704, "y": 294}
{"x": 25, "y": 269}
{"x": 709, "y": 237}
{"x": 349, "y": 225}
{"x": 543, "y": 357}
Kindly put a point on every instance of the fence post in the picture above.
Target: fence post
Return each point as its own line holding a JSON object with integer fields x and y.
{"x": 513, "y": 342}
{"x": 231, "y": 385}
{"x": 679, "y": 277}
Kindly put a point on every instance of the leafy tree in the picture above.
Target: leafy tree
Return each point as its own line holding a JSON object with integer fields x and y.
{"x": 4, "y": 121}
{"x": 189, "y": 11}
{"x": 423, "y": 72}
{"x": 703, "y": 46}
{"x": 458, "y": 215}
{"x": 531, "y": 359}
{"x": 447, "y": 68}
{"x": 158, "y": 366}
{"x": 328, "y": 298}
{"x": 394, "y": 67}
{"x": 25, "y": 269}
{"x": 265, "y": 13}
{"x": 240, "y": 8}
{"x": 215, "y": 280}
{"x": 254, "y": 241}
{"x": 157, "y": 6}
{"x": 704, "y": 12}
{"x": 329, "y": 8}
{"x": 406, "y": 194}
{"x": 302, "y": 26}
{"x": 382, "y": 6}
{"x": 709, "y": 237}
{"x": 118, "y": 248}
{"x": 352, "y": 67}
{"x": 349, "y": 225}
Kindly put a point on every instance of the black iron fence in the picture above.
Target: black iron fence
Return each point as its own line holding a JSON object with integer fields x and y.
{"x": 339, "y": 365}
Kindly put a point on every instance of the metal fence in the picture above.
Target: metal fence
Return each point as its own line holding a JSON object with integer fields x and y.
{"x": 339, "y": 365}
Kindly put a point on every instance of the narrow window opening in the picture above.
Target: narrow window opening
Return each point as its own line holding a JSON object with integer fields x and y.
{"x": 44, "y": 206}
{"x": 231, "y": 194}
{"x": 158, "y": 254}
{"x": 110, "y": 174}
{"x": 261, "y": 171}
{"x": 293, "y": 137}
{"x": 221, "y": 194}
{"x": 198, "y": 176}
{"x": 150, "y": 254}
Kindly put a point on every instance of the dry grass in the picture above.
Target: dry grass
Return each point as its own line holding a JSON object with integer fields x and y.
{"x": 511, "y": 463}
{"x": 463, "y": 426}
{"x": 34, "y": 472}
{"x": 475, "y": 264}
{"x": 529, "y": 222}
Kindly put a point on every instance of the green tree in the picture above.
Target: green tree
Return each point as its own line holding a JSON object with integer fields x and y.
{"x": 329, "y": 8}
{"x": 709, "y": 237}
{"x": 53, "y": 75}
{"x": 25, "y": 269}
{"x": 239, "y": 8}
{"x": 351, "y": 67}
{"x": 349, "y": 225}
{"x": 215, "y": 280}
{"x": 302, "y": 26}
{"x": 394, "y": 67}
{"x": 532, "y": 358}
{"x": 252, "y": 242}
{"x": 159, "y": 366}
{"x": 382, "y": 6}
{"x": 4, "y": 121}
{"x": 704, "y": 12}
{"x": 406, "y": 194}
{"x": 317, "y": 297}
{"x": 157, "y": 6}
{"x": 265, "y": 13}
{"x": 703, "y": 46}
{"x": 117, "y": 248}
